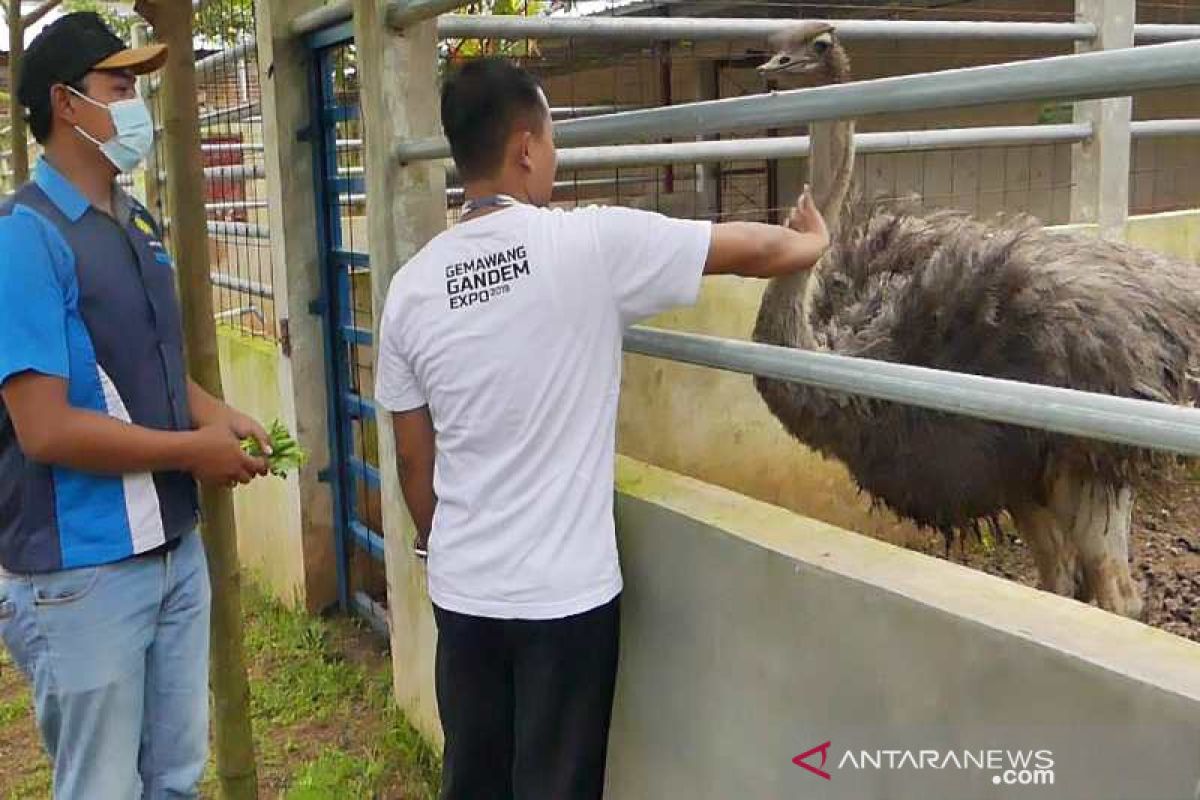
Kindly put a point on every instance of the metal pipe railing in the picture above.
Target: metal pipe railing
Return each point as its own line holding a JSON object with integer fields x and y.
{"x": 234, "y": 114}
{"x": 239, "y": 284}
{"x": 232, "y": 230}
{"x": 327, "y": 16}
{"x": 700, "y": 29}
{"x": 1075, "y": 77}
{"x": 573, "y": 112}
{"x": 1139, "y": 423}
{"x": 402, "y": 13}
{"x": 1155, "y": 128}
{"x": 1165, "y": 33}
{"x": 461, "y": 26}
{"x": 212, "y": 63}
{"x": 233, "y": 147}
{"x": 236, "y": 205}
{"x": 768, "y": 148}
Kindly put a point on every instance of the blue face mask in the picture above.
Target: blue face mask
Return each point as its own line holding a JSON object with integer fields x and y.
{"x": 134, "y": 136}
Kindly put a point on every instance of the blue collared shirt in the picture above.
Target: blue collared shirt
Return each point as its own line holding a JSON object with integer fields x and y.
{"x": 89, "y": 298}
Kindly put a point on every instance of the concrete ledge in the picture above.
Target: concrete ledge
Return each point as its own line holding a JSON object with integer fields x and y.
{"x": 752, "y": 635}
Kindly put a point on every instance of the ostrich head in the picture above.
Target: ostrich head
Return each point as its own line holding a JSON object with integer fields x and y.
{"x": 807, "y": 54}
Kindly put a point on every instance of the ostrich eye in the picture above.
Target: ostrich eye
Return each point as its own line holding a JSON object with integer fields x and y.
{"x": 820, "y": 46}
{"x": 785, "y": 59}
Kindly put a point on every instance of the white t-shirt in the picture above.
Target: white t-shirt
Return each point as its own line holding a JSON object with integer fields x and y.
{"x": 509, "y": 328}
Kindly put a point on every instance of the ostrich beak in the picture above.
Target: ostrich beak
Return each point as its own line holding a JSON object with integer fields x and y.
{"x": 786, "y": 62}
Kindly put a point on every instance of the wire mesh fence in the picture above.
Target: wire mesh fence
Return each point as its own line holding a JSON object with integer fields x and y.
{"x": 236, "y": 198}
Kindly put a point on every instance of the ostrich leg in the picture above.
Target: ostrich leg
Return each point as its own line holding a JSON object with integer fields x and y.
{"x": 1053, "y": 551}
{"x": 1096, "y": 518}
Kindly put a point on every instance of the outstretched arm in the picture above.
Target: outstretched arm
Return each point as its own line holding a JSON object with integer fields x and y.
{"x": 755, "y": 250}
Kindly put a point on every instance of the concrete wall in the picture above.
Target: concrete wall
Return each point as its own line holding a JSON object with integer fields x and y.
{"x": 268, "y": 510}
{"x": 731, "y": 440}
{"x": 751, "y": 635}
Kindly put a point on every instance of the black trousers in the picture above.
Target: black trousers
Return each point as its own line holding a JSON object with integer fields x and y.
{"x": 526, "y": 704}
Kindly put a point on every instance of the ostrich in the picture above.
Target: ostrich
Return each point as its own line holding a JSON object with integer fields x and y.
{"x": 1007, "y": 299}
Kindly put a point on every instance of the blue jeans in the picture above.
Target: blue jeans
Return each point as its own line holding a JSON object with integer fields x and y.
{"x": 118, "y": 659}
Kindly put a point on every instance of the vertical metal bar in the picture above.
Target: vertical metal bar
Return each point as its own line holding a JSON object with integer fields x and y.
{"x": 322, "y": 143}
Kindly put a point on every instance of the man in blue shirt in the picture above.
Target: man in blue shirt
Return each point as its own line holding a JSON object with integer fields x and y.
{"x": 104, "y": 593}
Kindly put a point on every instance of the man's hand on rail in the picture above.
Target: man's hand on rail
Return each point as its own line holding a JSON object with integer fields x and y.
{"x": 806, "y": 217}
{"x": 754, "y": 250}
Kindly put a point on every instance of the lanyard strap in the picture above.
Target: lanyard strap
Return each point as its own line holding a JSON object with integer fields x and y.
{"x": 491, "y": 201}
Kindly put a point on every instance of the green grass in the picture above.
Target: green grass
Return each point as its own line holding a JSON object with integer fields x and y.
{"x": 304, "y": 680}
{"x": 304, "y": 677}
{"x": 337, "y": 774}
{"x": 326, "y": 727}
{"x": 13, "y": 710}
{"x": 35, "y": 786}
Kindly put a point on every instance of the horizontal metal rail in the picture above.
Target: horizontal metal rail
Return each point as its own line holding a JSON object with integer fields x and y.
{"x": 1157, "y": 128}
{"x": 574, "y": 112}
{"x": 236, "y": 205}
{"x": 767, "y": 148}
{"x": 456, "y": 192}
{"x": 232, "y": 147}
{"x": 402, "y": 13}
{"x": 461, "y": 26}
{"x": 239, "y": 229}
{"x": 1108, "y": 73}
{"x": 243, "y": 285}
{"x": 235, "y": 114}
{"x": 326, "y": 16}
{"x": 233, "y": 230}
{"x": 1140, "y": 423}
{"x": 696, "y": 29}
{"x": 234, "y": 313}
{"x": 1165, "y": 33}
{"x": 213, "y": 62}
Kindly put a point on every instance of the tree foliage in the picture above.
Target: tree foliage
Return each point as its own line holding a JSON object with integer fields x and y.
{"x": 224, "y": 22}
{"x": 459, "y": 50}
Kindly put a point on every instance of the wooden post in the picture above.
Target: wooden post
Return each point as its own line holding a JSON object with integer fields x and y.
{"x": 406, "y": 208}
{"x": 1100, "y": 167}
{"x": 172, "y": 20}
{"x": 18, "y": 135}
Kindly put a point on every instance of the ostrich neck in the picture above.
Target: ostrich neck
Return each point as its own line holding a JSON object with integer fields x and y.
{"x": 783, "y": 318}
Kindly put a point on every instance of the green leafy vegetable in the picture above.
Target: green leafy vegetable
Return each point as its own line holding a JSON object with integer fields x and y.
{"x": 286, "y": 452}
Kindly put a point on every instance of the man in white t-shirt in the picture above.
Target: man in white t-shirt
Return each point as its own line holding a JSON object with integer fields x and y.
{"x": 500, "y": 358}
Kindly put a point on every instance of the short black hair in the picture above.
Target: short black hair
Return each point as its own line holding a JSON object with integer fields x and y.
{"x": 481, "y": 102}
{"x": 41, "y": 114}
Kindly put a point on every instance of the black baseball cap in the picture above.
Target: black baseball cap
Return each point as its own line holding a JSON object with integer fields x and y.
{"x": 71, "y": 47}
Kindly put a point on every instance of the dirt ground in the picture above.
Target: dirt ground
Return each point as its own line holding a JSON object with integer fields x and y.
{"x": 1165, "y": 552}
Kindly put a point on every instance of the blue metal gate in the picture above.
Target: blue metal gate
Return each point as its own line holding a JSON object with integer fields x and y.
{"x": 346, "y": 307}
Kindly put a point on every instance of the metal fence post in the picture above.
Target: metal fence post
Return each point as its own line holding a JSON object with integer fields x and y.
{"x": 405, "y": 209}
{"x": 289, "y": 123}
{"x": 1100, "y": 166}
